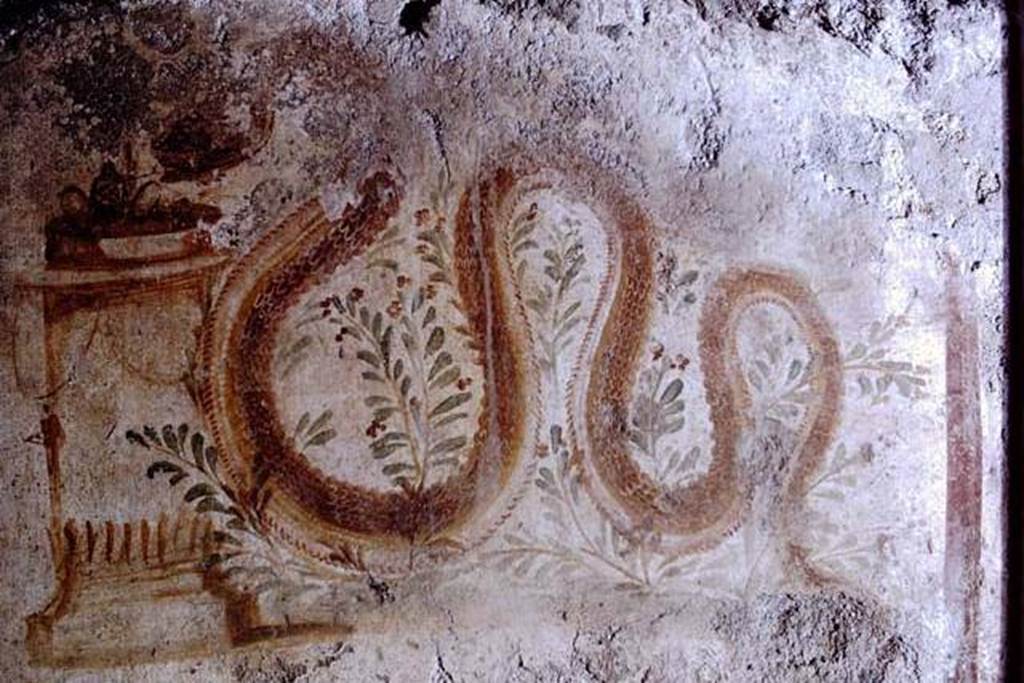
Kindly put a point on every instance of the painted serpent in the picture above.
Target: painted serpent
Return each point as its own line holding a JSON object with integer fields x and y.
{"x": 319, "y": 513}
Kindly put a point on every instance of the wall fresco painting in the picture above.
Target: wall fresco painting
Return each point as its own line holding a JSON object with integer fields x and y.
{"x": 312, "y": 377}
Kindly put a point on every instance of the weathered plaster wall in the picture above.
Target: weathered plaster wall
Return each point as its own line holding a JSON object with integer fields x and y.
{"x": 856, "y": 144}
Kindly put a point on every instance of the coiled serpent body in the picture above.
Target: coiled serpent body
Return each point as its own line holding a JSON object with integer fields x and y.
{"x": 318, "y": 513}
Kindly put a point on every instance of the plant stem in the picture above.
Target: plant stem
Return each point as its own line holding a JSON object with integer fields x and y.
{"x": 591, "y": 548}
{"x": 409, "y": 423}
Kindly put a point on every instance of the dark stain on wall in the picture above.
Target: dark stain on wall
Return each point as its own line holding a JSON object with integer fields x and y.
{"x": 108, "y": 88}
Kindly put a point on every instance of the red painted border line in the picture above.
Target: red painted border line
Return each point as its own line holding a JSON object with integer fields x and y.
{"x": 962, "y": 573}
